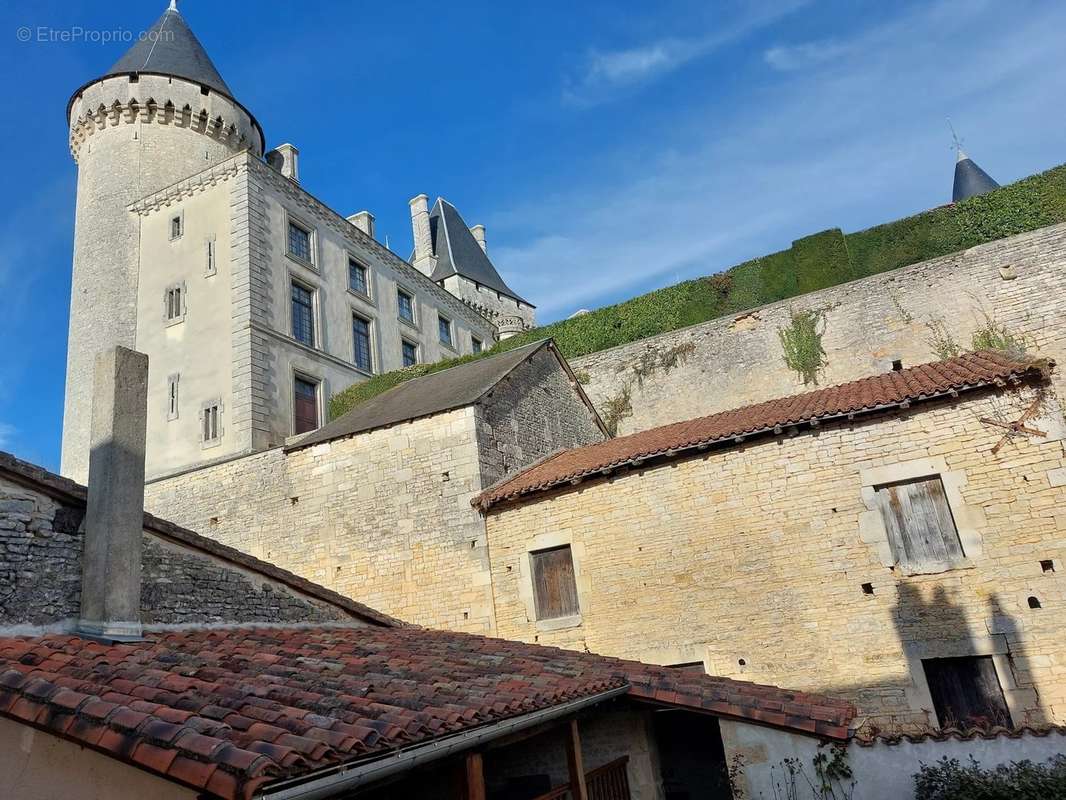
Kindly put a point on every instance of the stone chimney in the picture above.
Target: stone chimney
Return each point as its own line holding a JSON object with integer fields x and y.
{"x": 364, "y": 221}
{"x": 114, "y": 514}
{"x": 479, "y": 236}
{"x": 285, "y": 158}
{"x": 423, "y": 258}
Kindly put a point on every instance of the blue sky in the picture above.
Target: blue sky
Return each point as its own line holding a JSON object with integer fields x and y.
{"x": 610, "y": 148}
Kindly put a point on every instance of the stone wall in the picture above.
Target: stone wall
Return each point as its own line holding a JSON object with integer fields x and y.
{"x": 40, "y": 574}
{"x": 384, "y": 516}
{"x": 752, "y": 559}
{"x": 734, "y": 361}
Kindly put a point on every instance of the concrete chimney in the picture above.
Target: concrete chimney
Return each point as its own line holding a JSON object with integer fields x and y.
{"x": 423, "y": 259}
{"x": 364, "y": 221}
{"x": 479, "y": 236}
{"x": 114, "y": 515}
{"x": 285, "y": 158}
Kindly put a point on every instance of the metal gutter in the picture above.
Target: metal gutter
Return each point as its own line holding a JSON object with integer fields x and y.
{"x": 343, "y": 778}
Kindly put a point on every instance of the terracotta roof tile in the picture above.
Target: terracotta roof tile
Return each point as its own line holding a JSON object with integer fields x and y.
{"x": 397, "y": 686}
{"x": 963, "y": 373}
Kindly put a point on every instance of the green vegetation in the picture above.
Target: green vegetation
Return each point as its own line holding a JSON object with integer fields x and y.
{"x": 948, "y": 779}
{"x": 801, "y": 342}
{"x": 814, "y": 262}
{"x": 994, "y": 336}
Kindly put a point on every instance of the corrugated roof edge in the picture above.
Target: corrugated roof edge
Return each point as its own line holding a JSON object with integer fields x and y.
{"x": 64, "y": 489}
{"x": 1033, "y": 369}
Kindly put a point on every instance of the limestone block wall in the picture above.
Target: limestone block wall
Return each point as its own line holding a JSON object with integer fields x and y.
{"x": 383, "y": 517}
{"x": 40, "y": 574}
{"x": 752, "y": 560}
{"x": 733, "y": 361}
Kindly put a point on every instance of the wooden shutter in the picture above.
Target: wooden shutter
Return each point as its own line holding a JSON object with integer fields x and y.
{"x": 918, "y": 519}
{"x": 554, "y": 588}
{"x": 966, "y": 692}
{"x": 305, "y": 406}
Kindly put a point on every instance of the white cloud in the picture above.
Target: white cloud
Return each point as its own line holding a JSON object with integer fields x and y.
{"x": 605, "y": 73}
{"x": 804, "y": 56}
{"x": 7, "y": 434}
{"x": 858, "y": 145}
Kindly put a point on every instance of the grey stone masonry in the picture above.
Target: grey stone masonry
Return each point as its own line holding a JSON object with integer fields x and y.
{"x": 186, "y": 579}
{"x": 111, "y": 577}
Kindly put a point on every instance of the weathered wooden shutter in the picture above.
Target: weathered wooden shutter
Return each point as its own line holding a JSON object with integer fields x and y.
{"x": 966, "y": 692}
{"x": 918, "y": 519}
{"x": 554, "y": 587}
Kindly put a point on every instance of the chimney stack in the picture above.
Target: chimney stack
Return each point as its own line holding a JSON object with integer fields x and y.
{"x": 479, "y": 236}
{"x": 285, "y": 158}
{"x": 114, "y": 515}
{"x": 423, "y": 259}
{"x": 364, "y": 221}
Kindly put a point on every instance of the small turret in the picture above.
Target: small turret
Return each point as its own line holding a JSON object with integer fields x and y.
{"x": 970, "y": 179}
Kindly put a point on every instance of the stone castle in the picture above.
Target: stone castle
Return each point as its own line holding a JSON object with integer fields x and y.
{"x": 493, "y": 497}
{"x": 254, "y": 300}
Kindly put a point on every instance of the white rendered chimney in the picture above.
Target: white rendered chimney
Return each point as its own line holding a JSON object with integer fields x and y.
{"x": 423, "y": 258}
{"x": 364, "y": 221}
{"x": 479, "y": 236}
{"x": 285, "y": 158}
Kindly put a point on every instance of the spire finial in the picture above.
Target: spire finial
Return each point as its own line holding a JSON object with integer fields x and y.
{"x": 173, "y": 5}
{"x": 956, "y": 143}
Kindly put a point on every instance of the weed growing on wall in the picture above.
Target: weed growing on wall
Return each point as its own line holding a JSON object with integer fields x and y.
{"x": 801, "y": 342}
{"x": 617, "y": 409}
{"x": 991, "y": 335}
{"x": 832, "y": 779}
{"x": 940, "y": 340}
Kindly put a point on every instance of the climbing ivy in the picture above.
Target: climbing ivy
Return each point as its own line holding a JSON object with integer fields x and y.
{"x": 801, "y": 342}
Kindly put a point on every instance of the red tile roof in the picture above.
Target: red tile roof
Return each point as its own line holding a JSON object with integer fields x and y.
{"x": 226, "y": 711}
{"x": 877, "y": 393}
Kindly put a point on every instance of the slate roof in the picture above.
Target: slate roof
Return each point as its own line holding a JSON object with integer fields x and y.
{"x": 74, "y": 494}
{"x": 970, "y": 179}
{"x": 458, "y": 252}
{"x": 227, "y": 711}
{"x": 893, "y": 389}
{"x": 451, "y": 388}
{"x": 171, "y": 48}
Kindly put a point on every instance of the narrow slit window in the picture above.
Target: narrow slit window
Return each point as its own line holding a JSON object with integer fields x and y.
{"x": 211, "y": 423}
{"x": 174, "y": 303}
{"x": 209, "y": 265}
{"x": 554, "y": 586}
{"x": 918, "y": 519}
{"x": 177, "y": 227}
{"x": 172, "y": 396}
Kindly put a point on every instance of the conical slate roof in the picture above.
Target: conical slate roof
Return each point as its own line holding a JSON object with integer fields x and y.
{"x": 458, "y": 252}
{"x": 171, "y": 48}
{"x": 970, "y": 179}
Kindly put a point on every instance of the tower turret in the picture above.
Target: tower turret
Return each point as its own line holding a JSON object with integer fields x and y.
{"x": 161, "y": 114}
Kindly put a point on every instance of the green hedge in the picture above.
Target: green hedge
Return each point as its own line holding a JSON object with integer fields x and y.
{"x": 814, "y": 262}
{"x": 948, "y": 779}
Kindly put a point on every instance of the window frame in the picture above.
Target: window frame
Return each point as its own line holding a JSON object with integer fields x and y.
{"x": 298, "y": 376}
{"x": 476, "y": 345}
{"x": 368, "y": 295}
{"x": 371, "y": 350}
{"x": 173, "y": 396}
{"x": 418, "y": 354}
{"x": 179, "y": 217}
{"x": 210, "y": 256}
{"x": 311, "y": 262}
{"x": 903, "y": 539}
{"x": 313, "y": 292}
{"x": 413, "y": 321}
{"x": 981, "y": 663}
{"x": 183, "y": 299}
{"x": 443, "y": 323}
{"x": 205, "y": 407}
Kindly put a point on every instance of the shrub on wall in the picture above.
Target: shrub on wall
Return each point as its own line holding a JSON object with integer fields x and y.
{"x": 814, "y": 262}
{"x": 948, "y": 779}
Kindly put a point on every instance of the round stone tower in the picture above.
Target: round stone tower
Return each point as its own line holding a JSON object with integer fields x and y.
{"x": 160, "y": 115}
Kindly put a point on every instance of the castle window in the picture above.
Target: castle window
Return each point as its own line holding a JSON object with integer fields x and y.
{"x": 554, "y": 586}
{"x": 299, "y": 242}
{"x": 405, "y": 304}
{"x": 174, "y": 303}
{"x": 476, "y": 344}
{"x": 362, "y": 353}
{"x": 921, "y": 529}
{"x": 177, "y": 226}
{"x": 211, "y": 423}
{"x": 444, "y": 330}
{"x": 409, "y": 353}
{"x": 303, "y": 314}
{"x": 358, "y": 279}
{"x": 966, "y": 692}
{"x": 172, "y": 396}
{"x": 304, "y": 405}
{"x": 209, "y": 257}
